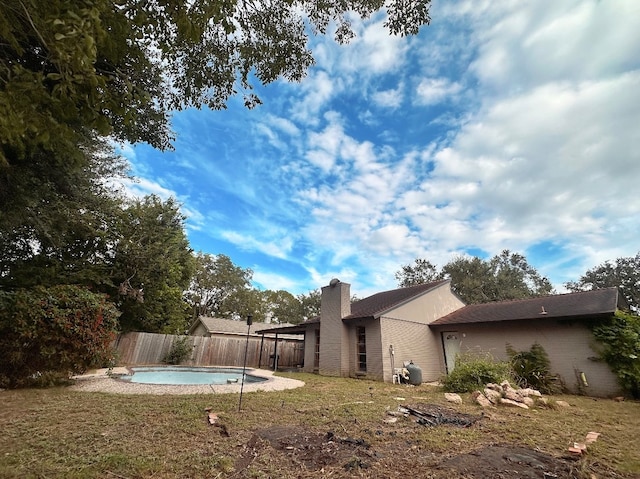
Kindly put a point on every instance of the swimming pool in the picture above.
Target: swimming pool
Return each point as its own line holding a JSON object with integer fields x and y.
{"x": 185, "y": 375}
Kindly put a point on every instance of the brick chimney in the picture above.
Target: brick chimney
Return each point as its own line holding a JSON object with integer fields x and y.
{"x": 335, "y": 304}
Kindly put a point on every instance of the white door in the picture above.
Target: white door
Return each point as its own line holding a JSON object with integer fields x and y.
{"x": 451, "y": 343}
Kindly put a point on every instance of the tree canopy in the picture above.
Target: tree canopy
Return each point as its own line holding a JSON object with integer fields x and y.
{"x": 218, "y": 288}
{"x": 153, "y": 266}
{"x": 420, "y": 272}
{"x": 58, "y": 226}
{"x": 120, "y": 66}
{"x": 505, "y": 276}
{"x": 623, "y": 273}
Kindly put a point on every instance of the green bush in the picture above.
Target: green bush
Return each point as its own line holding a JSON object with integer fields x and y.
{"x": 180, "y": 351}
{"x": 620, "y": 340}
{"x": 532, "y": 369}
{"x": 48, "y": 334}
{"x": 474, "y": 371}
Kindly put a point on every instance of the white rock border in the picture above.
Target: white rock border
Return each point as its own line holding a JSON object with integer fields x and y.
{"x": 102, "y": 381}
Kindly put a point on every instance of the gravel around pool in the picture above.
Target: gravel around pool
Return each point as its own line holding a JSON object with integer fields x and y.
{"x": 101, "y": 381}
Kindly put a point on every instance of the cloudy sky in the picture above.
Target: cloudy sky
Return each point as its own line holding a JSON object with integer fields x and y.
{"x": 503, "y": 125}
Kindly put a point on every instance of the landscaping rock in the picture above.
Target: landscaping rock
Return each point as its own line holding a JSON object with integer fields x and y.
{"x": 492, "y": 394}
{"x": 505, "y": 385}
{"x": 509, "y": 402}
{"x": 528, "y": 392}
{"x": 481, "y": 399}
{"x": 528, "y": 401}
{"x": 562, "y": 404}
{"x": 452, "y": 397}
{"x": 513, "y": 395}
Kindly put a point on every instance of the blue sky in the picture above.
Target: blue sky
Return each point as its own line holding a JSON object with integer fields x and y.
{"x": 503, "y": 125}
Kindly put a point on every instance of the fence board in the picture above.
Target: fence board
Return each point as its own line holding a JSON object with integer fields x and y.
{"x": 150, "y": 348}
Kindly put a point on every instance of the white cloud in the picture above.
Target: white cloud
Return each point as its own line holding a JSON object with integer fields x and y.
{"x": 521, "y": 45}
{"x": 389, "y": 98}
{"x": 274, "y": 281}
{"x": 316, "y": 92}
{"x": 277, "y": 248}
{"x": 376, "y": 51}
{"x": 431, "y": 91}
{"x": 142, "y": 187}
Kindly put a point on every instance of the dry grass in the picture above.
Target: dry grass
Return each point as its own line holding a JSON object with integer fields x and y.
{"x": 60, "y": 433}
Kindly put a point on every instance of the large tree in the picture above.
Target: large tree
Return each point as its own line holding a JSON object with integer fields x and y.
{"x": 58, "y": 226}
{"x": 119, "y": 66}
{"x": 310, "y": 304}
{"x": 623, "y": 273}
{"x": 505, "y": 276}
{"x": 219, "y": 288}
{"x": 420, "y": 272}
{"x": 153, "y": 267}
{"x": 282, "y": 307}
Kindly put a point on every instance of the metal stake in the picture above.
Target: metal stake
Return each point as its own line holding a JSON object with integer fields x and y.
{"x": 244, "y": 367}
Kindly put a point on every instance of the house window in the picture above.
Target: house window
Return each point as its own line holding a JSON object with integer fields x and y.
{"x": 316, "y": 357}
{"x": 362, "y": 349}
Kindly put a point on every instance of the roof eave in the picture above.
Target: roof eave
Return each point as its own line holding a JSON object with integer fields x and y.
{"x": 299, "y": 329}
{"x": 349, "y": 319}
{"x": 577, "y": 317}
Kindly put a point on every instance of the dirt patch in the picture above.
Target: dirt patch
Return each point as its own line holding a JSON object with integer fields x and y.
{"x": 507, "y": 462}
{"x": 311, "y": 450}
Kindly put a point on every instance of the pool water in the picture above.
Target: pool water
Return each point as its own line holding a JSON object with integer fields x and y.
{"x": 183, "y": 375}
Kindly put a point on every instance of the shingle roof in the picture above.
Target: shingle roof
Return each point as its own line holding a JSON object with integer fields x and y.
{"x": 571, "y": 305}
{"x": 376, "y": 305}
{"x": 373, "y": 306}
{"x": 229, "y": 326}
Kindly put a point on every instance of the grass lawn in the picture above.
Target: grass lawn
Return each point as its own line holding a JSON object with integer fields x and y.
{"x": 332, "y": 427}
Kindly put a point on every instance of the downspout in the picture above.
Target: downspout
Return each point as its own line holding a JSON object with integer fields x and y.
{"x": 392, "y": 355}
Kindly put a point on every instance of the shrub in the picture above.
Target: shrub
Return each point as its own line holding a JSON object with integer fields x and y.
{"x": 620, "y": 340}
{"x": 532, "y": 369}
{"x": 180, "y": 350}
{"x": 50, "y": 333}
{"x": 474, "y": 372}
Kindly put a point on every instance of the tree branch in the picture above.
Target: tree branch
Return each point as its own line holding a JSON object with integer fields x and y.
{"x": 26, "y": 12}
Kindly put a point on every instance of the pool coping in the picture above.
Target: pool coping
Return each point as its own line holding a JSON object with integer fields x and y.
{"x": 105, "y": 380}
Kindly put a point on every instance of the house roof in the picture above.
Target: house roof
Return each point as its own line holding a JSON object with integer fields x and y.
{"x": 376, "y": 305}
{"x": 373, "y": 306}
{"x": 230, "y": 326}
{"x": 572, "y": 305}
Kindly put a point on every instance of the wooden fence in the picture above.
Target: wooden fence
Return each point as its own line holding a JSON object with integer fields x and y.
{"x": 149, "y": 348}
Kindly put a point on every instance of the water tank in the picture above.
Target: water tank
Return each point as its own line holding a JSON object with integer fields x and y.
{"x": 415, "y": 374}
